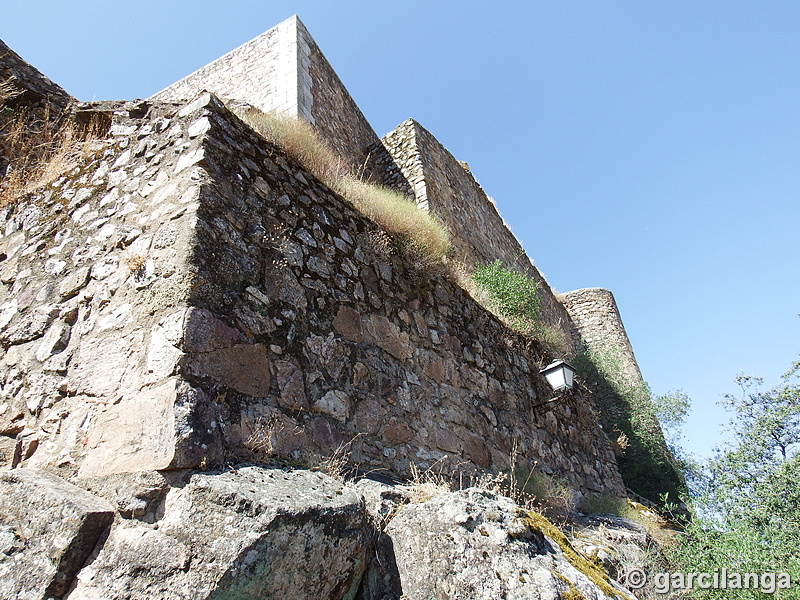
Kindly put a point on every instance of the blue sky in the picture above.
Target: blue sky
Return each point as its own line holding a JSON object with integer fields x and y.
{"x": 648, "y": 148}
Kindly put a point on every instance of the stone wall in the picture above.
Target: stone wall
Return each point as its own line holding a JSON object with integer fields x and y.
{"x": 192, "y": 273}
{"x": 24, "y": 85}
{"x": 283, "y": 70}
{"x": 262, "y": 72}
{"x": 335, "y": 115}
{"x": 90, "y": 266}
{"x": 445, "y": 186}
{"x": 619, "y": 391}
{"x": 594, "y": 311}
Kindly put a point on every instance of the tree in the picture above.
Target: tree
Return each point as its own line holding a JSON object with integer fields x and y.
{"x": 747, "y": 511}
{"x": 671, "y": 410}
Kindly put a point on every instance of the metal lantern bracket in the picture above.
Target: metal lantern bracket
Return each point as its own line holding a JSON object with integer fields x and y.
{"x": 554, "y": 400}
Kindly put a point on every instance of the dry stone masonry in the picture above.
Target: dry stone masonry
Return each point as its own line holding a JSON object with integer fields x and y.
{"x": 446, "y": 187}
{"x": 596, "y": 315}
{"x": 192, "y": 273}
{"x": 25, "y": 91}
{"x": 188, "y": 299}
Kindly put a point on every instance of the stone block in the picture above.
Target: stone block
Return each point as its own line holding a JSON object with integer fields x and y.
{"x": 243, "y": 367}
{"x": 290, "y": 382}
{"x": 435, "y": 370}
{"x": 244, "y": 533}
{"x": 56, "y": 525}
{"x": 445, "y": 440}
{"x": 348, "y": 323}
{"x": 398, "y": 433}
{"x": 153, "y": 430}
{"x": 204, "y": 332}
{"x": 335, "y": 403}
{"x": 476, "y": 451}
{"x": 368, "y": 416}
{"x": 387, "y": 336}
{"x": 325, "y": 437}
{"x": 8, "y": 450}
{"x": 330, "y": 351}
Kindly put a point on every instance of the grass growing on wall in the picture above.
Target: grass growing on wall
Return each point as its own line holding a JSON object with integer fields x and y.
{"x": 417, "y": 232}
{"x": 38, "y": 149}
{"x": 627, "y": 412}
{"x": 514, "y": 298}
{"x": 511, "y": 295}
{"x": 299, "y": 140}
{"x": 420, "y": 231}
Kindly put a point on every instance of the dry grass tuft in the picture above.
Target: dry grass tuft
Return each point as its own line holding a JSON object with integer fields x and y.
{"x": 620, "y": 445}
{"x": 336, "y": 464}
{"x": 134, "y": 262}
{"x": 39, "y": 150}
{"x": 299, "y": 140}
{"x": 552, "y": 338}
{"x": 8, "y": 90}
{"x": 417, "y": 232}
{"x": 426, "y": 484}
{"x": 261, "y": 440}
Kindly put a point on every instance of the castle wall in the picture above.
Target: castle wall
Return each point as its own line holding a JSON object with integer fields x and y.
{"x": 92, "y": 268}
{"x": 262, "y": 72}
{"x": 334, "y": 113}
{"x": 361, "y": 348}
{"x": 594, "y": 311}
{"x": 621, "y": 395}
{"x": 191, "y": 297}
{"x": 284, "y": 70}
{"x": 25, "y": 93}
{"x": 444, "y": 186}
{"x": 25, "y": 85}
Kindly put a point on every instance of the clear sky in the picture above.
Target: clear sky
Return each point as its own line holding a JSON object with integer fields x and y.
{"x": 651, "y": 148}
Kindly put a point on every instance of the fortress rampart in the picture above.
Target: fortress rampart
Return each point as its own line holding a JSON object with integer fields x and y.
{"x": 197, "y": 276}
{"x": 191, "y": 272}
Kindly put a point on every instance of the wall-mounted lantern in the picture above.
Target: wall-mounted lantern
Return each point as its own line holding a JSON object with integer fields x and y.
{"x": 559, "y": 375}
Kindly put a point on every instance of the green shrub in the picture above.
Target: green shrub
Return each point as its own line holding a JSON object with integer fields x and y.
{"x": 512, "y": 296}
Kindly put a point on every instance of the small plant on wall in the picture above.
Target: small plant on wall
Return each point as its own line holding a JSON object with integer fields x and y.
{"x": 513, "y": 297}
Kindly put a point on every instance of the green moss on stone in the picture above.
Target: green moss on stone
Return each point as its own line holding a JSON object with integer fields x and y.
{"x": 572, "y": 592}
{"x": 536, "y": 522}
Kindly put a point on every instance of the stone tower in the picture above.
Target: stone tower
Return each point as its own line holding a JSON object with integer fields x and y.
{"x": 283, "y": 70}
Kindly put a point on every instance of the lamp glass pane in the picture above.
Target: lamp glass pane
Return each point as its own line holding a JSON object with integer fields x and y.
{"x": 569, "y": 375}
{"x": 556, "y": 378}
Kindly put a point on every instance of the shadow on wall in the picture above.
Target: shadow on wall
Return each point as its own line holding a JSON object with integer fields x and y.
{"x": 627, "y": 417}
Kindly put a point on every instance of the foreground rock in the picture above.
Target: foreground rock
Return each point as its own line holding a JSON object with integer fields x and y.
{"x": 48, "y": 528}
{"x": 246, "y": 533}
{"x": 255, "y": 532}
{"x": 475, "y": 544}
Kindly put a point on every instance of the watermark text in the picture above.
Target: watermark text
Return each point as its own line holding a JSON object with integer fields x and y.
{"x": 720, "y": 579}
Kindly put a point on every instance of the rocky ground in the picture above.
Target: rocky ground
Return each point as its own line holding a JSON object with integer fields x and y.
{"x": 261, "y": 532}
